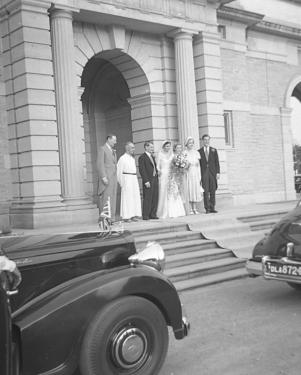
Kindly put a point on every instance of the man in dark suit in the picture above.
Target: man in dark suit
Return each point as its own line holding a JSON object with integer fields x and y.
{"x": 107, "y": 175}
{"x": 149, "y": 173}
{"x": 210, "y": 172}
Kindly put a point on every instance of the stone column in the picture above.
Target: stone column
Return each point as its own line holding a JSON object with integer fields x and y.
{"x": 185, "y": 84}
{"x": 287, "y": 150}
{"x": 70, "y": 132}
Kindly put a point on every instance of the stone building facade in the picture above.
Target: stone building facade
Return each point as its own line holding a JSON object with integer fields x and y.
{"x": 73, "y": 71}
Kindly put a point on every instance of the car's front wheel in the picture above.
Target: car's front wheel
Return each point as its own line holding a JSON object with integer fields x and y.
{"x": 128, "y": 337}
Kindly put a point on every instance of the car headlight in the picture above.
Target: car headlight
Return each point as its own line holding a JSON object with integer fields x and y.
{"x": 152, "y": 255}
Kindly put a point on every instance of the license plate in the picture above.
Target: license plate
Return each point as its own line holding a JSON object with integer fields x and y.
{"x": 273, "y": 268}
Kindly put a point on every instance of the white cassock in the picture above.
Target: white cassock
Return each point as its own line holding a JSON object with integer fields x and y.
{"x": 130, "y": 205}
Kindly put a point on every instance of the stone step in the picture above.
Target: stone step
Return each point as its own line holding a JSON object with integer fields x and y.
{"x": 188, "y": 246}
{"x": 193, "y": 257}
{"x": 263, "y": 224}
{"x": 276, "y": 215}
{"x": 246, "y": 235}
{"x": 196, "y": 270}
{"x": 167, "y": 237}
{"x": 198, "y": 282}
{"x": 224, "y": 229}
{"x": 143, "y": 228}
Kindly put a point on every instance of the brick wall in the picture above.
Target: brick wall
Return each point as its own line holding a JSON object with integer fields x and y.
{"x": 254, "y": 89}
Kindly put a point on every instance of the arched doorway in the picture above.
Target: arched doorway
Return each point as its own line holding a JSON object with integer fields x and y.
{"x": 106, "y": 111}
{"x": 111, "y": 92}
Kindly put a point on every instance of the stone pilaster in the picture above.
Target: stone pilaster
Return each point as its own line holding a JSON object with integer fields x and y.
{"x": 207, "y": 61}
{"x": 185, "y": 84}
{"x": 70, "y": 130}
{"x": 288, "y": 162}
{"x": 31, "y": 117}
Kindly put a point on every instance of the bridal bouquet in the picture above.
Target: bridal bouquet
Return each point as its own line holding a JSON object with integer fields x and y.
{"x": 179, "y": 166}
{"x": 180, "y": 162}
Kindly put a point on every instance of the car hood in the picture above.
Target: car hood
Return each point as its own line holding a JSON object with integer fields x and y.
{"x": 49, "y": 260}
{"x": 41, "y": 248}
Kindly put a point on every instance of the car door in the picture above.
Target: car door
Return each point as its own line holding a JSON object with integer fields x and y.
{"x": 5, "y": 329}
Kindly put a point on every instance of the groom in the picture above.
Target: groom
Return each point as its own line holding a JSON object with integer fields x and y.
{"x": 149, "y": 173}
{"x": 210, "y": 172}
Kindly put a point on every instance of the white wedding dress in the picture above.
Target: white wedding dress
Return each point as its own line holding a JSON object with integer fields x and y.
{"x": 170, "y": 203}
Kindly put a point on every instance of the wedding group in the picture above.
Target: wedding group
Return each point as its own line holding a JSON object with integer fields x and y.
{"x": 173, "y": 184}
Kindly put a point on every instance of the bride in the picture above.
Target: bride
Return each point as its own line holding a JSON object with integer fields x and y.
{"x": 170, "y": 203}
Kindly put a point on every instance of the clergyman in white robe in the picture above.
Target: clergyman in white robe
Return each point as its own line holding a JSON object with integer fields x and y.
{"x": 130, "y": 206}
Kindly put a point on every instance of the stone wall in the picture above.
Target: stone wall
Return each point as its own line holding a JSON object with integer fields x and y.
{"x": 5, "y": 180}
{"x": 256, "y": 75}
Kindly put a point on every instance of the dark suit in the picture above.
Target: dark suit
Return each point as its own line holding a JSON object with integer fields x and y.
{"x": 209, "y": 169}
{"x": 150, "y": 195}
{"x": 106, "y": 165}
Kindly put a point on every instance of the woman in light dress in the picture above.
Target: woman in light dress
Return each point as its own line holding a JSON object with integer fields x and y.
{"x": 180, "y": 176}
{"x": 194, "y": 187}
{"x": 170, "y": 203}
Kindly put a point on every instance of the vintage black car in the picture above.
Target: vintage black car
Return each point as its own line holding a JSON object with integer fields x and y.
{"x": 278, "y": 255}
{"x": 88, "y": 301}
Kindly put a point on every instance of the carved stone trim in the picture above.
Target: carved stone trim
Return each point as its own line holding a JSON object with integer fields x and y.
{"x": 278, "y": 29}
{"x": 249, "y": 18}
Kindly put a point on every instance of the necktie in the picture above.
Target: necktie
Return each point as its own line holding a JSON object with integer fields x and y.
{"x": 154, "y": 164}
{"x": 114, "y": 154}
{"x": 207, "y": 153}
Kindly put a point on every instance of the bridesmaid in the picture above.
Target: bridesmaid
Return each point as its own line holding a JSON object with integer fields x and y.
{"x": 194, "y": 186}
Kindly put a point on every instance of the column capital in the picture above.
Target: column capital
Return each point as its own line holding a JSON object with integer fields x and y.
{"x": 182, "y": 33}
{"x": 62, "y": 11}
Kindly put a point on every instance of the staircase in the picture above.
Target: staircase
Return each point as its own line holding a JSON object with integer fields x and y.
{"x": 207, "y": 249}
{"x": 191, "y": 260}
{"x": 263, "y": 221}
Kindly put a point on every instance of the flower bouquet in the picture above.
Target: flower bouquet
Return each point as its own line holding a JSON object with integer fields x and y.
{"x": 179, "y": 166}
{"x": 180, "y": 162}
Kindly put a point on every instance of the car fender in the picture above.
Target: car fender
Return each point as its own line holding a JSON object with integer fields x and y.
{"x": 52, "y": 325}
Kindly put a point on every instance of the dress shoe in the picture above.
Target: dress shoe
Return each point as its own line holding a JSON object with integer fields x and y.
{"x": 208, "y": 212}
{"x": 213, "y": 211}
{"x": 154, "y": 217}
{"x": 135, "y": 218}
{"x": 145, "y": 218}
{"x": 126, "y": 220}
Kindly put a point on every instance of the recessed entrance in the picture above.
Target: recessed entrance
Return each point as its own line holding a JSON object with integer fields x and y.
{"x": 106, "y": 111}
{"x": 117, "y": 99}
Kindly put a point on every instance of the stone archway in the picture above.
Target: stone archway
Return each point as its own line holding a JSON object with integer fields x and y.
{"x": 106, "y": 110}
{"x": 116, "y": 99}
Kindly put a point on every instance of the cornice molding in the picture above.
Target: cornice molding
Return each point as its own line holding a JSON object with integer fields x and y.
{"x": 239, "y": 15}
{"x": 256, "y": 22}
{"x": 278, "y": 29}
